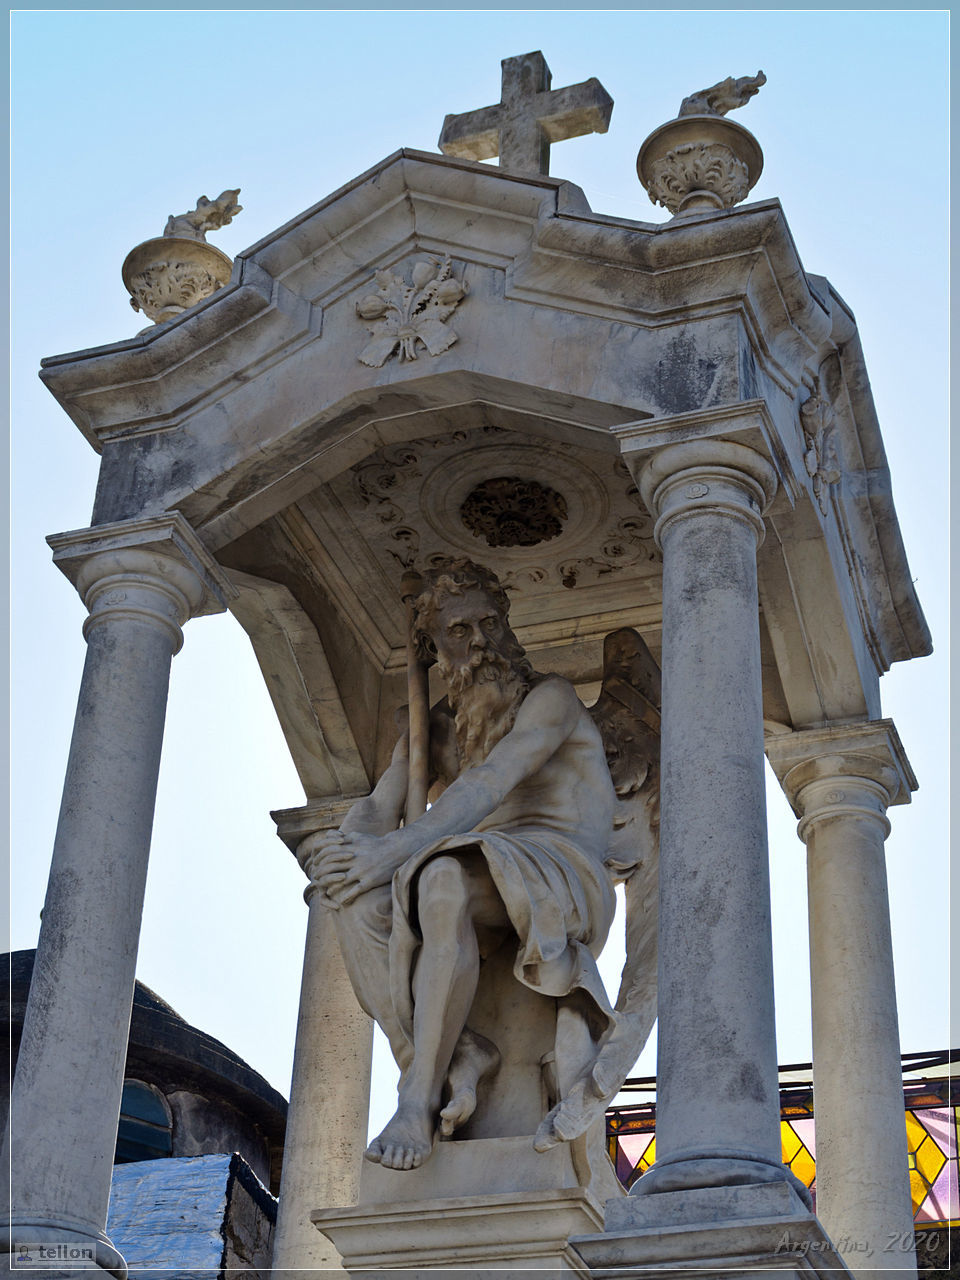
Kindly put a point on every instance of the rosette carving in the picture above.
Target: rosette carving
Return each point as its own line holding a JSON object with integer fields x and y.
{"x": 509, "y": 512}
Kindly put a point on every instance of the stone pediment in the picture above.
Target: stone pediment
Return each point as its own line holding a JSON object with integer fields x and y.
{"x": 438, "y": 325}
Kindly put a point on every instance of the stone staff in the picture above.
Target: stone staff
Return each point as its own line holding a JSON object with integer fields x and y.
{"x": 418, "y": 699}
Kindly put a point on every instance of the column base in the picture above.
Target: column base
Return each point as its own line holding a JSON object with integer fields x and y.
{"x": 716, "y": 1169}
{"x": 761, "y": 1232}
{"x": 72, "y": 1244}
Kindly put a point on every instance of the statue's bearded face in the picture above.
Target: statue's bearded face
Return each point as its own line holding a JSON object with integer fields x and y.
{"x": 482, "y": 663}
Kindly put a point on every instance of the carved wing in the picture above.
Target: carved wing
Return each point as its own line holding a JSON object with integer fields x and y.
{"x": 627, "y": 713}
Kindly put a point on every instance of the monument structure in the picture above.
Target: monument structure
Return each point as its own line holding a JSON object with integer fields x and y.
{"x": 465, "y": 458}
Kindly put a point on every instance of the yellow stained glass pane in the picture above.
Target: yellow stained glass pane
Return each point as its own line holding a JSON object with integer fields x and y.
{"x": 803, "y": 1166}
{"x": 918, "y": 1190}
{"x": 789, "y": 1142}
{"x": 930, "y": 1160}
{"x": 648, "y": 1157}
{"x": 915, "y": 1131}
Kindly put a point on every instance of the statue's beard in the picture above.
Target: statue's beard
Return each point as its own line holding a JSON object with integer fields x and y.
{"x": 485, "y": 694}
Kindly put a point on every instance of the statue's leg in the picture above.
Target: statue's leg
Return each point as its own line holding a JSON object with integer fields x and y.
{"x": 455, "y": 898}
{"x": 363, "y": 928}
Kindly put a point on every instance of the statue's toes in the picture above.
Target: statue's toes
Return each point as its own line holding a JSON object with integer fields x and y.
{"x": 374, "y": 1152}
{"x": 546, "y": 1136}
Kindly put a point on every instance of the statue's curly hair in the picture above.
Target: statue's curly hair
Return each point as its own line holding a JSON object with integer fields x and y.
{"x": 451, "y": 577}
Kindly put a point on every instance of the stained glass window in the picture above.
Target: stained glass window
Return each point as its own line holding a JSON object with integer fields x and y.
{"x": 932, "y": 1117}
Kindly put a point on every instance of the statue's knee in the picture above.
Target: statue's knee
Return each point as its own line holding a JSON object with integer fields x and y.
{"x": 443, "y": 887}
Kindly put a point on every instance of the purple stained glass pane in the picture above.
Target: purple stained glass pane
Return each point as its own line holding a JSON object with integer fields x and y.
{"x": 630, "y": 1147}
{"x": 938, "y": 1122}
{"x": 943, "y": 1202}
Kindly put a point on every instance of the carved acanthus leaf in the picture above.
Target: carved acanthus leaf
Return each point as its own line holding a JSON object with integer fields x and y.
{"x": 698, "y": 166}
{"x": 170, "y": 287}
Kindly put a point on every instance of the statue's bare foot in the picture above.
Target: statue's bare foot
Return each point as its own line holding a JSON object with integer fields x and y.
{"x": 406, "y": 1141}
{"x": 474, "y": 1058}
{"x": 572, "y": 1116}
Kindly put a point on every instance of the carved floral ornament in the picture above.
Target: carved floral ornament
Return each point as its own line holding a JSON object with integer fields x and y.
{"x": 510, "y": 512}
{"x": 389, "y": 486}
{"x": 698, "y": 167}
{"x": 401, "y": 316}
{"x": 820, "y": 451}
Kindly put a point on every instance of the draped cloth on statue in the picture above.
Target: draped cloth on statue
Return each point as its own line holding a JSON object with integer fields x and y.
{"x": 559, "y": 899}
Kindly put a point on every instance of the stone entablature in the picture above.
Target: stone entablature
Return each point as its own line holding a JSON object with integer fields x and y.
{"x": 573, "y": 327}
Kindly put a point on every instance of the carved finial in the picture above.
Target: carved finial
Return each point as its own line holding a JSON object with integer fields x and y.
{"x": 700, "y": 161}
{"x": 167, "y": 275}
{"x": 209, "y": 215}
{"x": 720, "y": 98}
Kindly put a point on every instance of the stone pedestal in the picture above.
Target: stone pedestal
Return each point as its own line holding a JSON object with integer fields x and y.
{"x": 493, "y": 1207}
{"x": 761, "y": 1231}
{"x": 140, "y": 580}
{"x": 840, "y": 780}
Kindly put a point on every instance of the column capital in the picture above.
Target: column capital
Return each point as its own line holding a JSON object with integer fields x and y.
{"x": 698, "y": 476}
{"x": 154, "y": 568}
{"x": 294, "y": 825}
{"x": 842, "y": 768}
{"x": 745, "y": 422}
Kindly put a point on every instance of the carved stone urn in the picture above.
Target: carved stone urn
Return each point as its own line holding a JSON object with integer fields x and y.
{"x": 167, "y": 275}
{"x": 178, "y": 269}
{"x": 699, "y": 162}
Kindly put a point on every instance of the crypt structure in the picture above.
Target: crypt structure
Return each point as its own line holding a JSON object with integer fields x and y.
{"x": 667, "y": 428}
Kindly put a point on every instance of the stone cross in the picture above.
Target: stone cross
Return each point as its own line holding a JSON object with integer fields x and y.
{"x": 528, "y": 117}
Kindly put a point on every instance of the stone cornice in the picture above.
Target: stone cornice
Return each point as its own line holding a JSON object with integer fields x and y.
{"x": 541, "y": 232}
{"x": 867, "y": 750}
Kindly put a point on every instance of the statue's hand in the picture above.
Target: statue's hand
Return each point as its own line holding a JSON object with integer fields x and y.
{"x": 312, "y": 849}
{"x": 360, "y": 864}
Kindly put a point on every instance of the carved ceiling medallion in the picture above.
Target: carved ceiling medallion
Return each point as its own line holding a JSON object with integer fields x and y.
{"x": 509, "y": 512}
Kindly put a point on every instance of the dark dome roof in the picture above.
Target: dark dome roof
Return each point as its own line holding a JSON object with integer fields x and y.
{"x": 165, "y": 1050}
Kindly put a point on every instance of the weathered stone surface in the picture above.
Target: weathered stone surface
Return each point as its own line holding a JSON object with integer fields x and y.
{"x": 840, "y": 779}
{"x": 528, "y": 118}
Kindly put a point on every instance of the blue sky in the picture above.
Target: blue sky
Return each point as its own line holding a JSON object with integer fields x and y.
{"x": 120, "y": 119}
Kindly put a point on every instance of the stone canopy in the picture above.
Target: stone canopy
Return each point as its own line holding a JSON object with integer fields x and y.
{"x": 314, "y": 478}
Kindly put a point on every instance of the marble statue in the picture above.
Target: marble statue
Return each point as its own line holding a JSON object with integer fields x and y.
{"x": 720, "y": 98}
{"x": 518, "y": 849}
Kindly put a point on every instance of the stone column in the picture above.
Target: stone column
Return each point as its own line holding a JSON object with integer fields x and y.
{"x": 140, "y": 580}
{"x": 718, "y": 1114}
{"x": 840, "y": 781}
{"x": 330, "y": 1087}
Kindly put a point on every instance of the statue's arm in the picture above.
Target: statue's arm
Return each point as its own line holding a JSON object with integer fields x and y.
{"x": 547, "y": 717}
{"x": 381, "y": 810}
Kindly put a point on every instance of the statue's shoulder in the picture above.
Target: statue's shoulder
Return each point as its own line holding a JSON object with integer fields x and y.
{"x": 555, "y": 693}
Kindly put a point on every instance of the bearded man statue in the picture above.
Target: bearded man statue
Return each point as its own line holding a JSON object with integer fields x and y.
{"x": 509, "y": 855}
